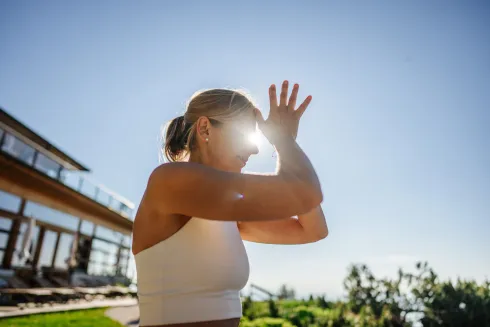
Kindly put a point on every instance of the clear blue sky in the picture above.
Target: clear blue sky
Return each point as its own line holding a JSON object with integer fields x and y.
{"x": 397, "y": 130}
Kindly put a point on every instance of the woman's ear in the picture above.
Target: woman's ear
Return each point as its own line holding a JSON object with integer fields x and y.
{"x": 203, "y": 128}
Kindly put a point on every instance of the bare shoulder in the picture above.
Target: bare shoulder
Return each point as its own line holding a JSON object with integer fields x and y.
{"x": 181, "y": 177}
{"x": 172, "y": 172}
{"x": 168, "y": 169}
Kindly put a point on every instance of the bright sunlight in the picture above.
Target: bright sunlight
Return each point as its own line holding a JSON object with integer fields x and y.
{"x": 254, "y": 138}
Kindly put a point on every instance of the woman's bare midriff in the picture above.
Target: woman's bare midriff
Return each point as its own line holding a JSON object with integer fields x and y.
{"x": 233, "y": 322}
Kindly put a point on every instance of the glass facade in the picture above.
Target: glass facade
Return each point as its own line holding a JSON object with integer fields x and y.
{"x": 100, "y": 251}
{"x": 108, "y": 250}
{"x": 17, "y": 149}
{"x": 47, "y": 166}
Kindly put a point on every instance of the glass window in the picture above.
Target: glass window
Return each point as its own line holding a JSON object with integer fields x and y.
{"x": 103, "y": 257}
{"x": 9, "y": 202}
{"x": 124, "y": 253}
{"x": 47, "y": 250}
{"x": 96, "y": 255}
{"x": 95, "y": 268}
{"x": 17, "y": 260}
{"x": 4, "y": 237}
{"x": 120, "y": 207}
{"x": 1, "y": 133}
{"x": 51, "y": 216}
{"x": 5, "y": 223}
{"x": 108, "y": 234}
{"x": 104, "y": 198}
{"x": 122, "y": 264}
{"x": 88, "y": 189}
{"x": 64, "y": 249}
{"x": 70, "y": 179}
{"x": 47, "y": 165}
{"x": 109, "y": 270}
{"x": 105, "y": 248}
{"x": 124, "y": 209}
{"x": 18, "y": 149}
{"x": 87, "y": 227}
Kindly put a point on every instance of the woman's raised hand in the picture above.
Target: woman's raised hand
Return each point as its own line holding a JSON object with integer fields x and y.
{"x": 283, "y": 120}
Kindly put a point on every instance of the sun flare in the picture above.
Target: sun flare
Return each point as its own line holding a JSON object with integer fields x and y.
{"x": 254, "y": 138}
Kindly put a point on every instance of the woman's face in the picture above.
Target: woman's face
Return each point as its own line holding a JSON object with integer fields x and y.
{"x": 232, "y": 143}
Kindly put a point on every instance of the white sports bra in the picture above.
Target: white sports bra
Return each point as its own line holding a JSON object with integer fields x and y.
{"x": 195, "y": 275}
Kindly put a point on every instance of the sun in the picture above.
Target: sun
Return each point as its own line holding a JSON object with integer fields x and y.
{"x": 254, "y": 138}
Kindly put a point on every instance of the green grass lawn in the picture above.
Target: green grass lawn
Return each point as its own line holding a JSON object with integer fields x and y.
{"x": 79, "y": 318}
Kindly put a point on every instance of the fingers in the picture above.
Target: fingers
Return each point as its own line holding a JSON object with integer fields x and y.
{"x": 284, "y": 95}
{"x": 272, "y": 98}
{"x": 294, "y": 96}
{"x": 302, "y": 108}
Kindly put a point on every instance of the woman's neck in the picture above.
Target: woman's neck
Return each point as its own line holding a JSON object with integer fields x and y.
{"x": 196, "y": 157}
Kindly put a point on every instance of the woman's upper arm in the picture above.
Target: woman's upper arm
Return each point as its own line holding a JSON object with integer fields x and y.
{"x": 200, "y": 191}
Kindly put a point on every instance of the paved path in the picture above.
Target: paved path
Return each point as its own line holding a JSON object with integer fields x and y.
{"x": 128, "y": 315}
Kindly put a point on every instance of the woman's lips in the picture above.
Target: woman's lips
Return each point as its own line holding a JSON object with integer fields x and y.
{"x": 242, "y": 159}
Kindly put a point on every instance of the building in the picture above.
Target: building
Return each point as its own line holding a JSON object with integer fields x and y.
{"x": 53, "y": 217}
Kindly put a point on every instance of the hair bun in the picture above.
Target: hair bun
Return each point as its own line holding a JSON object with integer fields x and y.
{"x": 176, "y": 138}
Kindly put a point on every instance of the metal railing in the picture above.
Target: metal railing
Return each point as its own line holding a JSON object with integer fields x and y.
{"x": 18, "y": 149}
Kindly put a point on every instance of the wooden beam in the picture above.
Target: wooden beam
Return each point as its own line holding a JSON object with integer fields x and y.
{"x": 2, "y": 138}
{"x": 34, "y": 140}
{"x": 79, "y": 225}
{"x": 58, "y": 234}
{"x": 39, "y": 246}
{"x": 12, "y": 241}
{"x": 22, "y": 207}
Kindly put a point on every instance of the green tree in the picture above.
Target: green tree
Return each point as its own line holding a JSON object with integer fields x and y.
{"x": 383, "y": 297}
{"x": 322, "y": 303}
{"x": 465, "y": 303}
{"x": 273, "y": 311}
{"x": 381, "y": 302}
{"x": 247, "y": 306}
{"x": 286, "y": 293}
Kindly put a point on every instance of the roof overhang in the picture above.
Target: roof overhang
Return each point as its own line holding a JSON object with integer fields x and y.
{"x": 28, "y": 136}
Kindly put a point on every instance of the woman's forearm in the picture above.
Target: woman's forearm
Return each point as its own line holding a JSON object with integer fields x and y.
{"x": 294, "y": 166}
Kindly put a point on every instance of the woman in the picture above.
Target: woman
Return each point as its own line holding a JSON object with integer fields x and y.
{"x": 198, "y": 208}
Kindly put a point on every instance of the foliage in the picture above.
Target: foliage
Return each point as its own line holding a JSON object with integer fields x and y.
{"x": 265, "y": 322}
{"x": 286, "y": 293}
{"x": 381, "y": 302}
{"x": 273, "y": 311}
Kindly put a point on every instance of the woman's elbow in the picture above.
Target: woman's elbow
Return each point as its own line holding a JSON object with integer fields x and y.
{"x": 320, "y": 235}
{"x": 312, "y": 198}
{"x": 323, "y": 234}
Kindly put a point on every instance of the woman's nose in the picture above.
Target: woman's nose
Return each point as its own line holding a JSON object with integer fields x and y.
{"x": 253, "y": 148}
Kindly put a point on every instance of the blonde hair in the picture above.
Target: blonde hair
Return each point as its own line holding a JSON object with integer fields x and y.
{"x": 218, "y": 105}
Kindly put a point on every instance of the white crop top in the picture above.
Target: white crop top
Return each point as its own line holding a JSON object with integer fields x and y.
{"x": 195, "y": 275}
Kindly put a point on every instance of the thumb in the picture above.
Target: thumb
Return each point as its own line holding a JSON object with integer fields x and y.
{"x": 259, "y": 118}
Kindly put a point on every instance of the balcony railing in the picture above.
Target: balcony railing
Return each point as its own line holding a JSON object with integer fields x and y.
{"x": 16, "y": 148}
